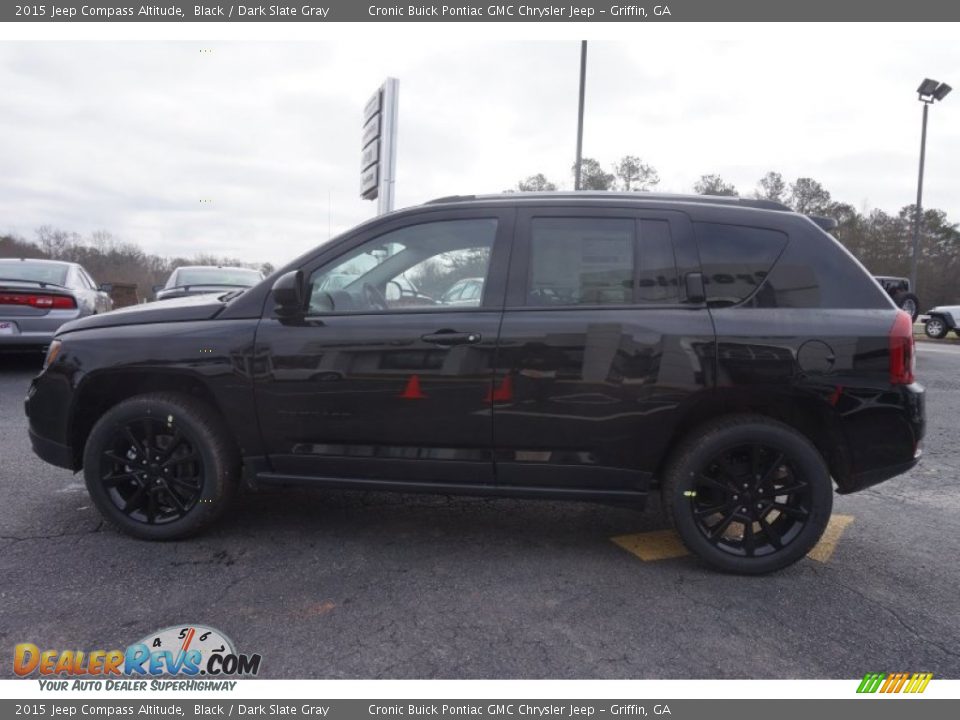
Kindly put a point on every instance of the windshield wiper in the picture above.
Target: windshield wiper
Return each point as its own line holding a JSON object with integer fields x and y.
{"x": 203, "y": 284}
{"x": 232, "y": 294}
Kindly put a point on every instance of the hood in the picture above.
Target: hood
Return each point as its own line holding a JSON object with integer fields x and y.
{"x": 194, "y": 307}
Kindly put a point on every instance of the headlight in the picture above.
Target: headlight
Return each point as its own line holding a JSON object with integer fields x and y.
{"x": 52, "y": 352}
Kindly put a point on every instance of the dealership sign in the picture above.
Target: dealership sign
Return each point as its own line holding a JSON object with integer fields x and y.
{"x": 378, "y": 146}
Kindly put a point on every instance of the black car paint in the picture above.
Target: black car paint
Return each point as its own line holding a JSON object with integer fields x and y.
{"x": 519, "y": 411}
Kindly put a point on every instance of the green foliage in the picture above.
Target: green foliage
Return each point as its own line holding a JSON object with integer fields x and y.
{"x": 714, "y": 185}
{"x": 593, "y": 176}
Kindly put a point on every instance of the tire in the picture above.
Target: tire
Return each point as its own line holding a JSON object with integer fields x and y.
{"x": 936, "y": 327}
{"x": 706, "y": 472}
{"x": 910, "y": 303}
{"x": 169, "y": 500}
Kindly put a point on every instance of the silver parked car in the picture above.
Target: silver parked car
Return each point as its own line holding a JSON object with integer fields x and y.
{"x": 203, "y": 279}
{"x": 38, "y": 296}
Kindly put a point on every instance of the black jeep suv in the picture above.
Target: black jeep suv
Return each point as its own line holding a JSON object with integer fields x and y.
{"x": 728, "y": 354}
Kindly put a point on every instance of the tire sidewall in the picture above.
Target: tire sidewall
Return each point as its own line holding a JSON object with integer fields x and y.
{"x": 215, "y": 481}
{"x": 797, "y": 450}
{"x": 942, "y": 324}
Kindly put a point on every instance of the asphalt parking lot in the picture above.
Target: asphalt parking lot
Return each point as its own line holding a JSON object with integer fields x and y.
{"x": 358, "y": 585}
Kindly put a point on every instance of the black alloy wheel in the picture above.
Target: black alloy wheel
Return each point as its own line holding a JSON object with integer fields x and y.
{"x": 747, "y": 493}
{"x": 152, "y": 471}
{"x": 750, "y": 500}
{"x": 160, "y": 466}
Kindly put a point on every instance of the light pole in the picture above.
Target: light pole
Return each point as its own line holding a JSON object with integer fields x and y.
{"x": 929, "y": 92}
{"x": 583, "y": 87}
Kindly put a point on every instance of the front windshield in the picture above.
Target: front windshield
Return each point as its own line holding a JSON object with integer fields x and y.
{"x": 215, "y": 276}
{"x": 54, "y": 273}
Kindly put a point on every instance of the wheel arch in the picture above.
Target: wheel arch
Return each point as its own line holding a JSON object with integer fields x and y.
{"x": 102, "y": 391}
{"x": 810, "y": 415}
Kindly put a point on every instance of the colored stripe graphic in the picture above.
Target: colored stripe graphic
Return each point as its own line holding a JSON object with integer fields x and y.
{"x": 894, "y": 682}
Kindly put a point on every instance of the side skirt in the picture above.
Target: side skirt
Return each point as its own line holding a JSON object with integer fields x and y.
{"x": 633, "y": 498}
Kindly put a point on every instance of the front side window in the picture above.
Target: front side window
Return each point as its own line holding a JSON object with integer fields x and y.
{"x": 423, "y": 266}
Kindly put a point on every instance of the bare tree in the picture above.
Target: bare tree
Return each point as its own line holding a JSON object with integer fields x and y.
{"x": 772, "y": 187}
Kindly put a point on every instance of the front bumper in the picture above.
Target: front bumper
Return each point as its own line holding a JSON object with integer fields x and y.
{"x": 51, "y": 451}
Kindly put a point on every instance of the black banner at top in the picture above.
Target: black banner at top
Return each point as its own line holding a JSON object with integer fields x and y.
{"x": 465, "y": 11}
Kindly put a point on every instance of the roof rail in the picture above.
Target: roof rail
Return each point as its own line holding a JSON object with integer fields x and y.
{"x": 606, "y": 194}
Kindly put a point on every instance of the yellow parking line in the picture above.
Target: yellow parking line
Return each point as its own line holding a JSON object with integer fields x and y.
{"x": 656, "y": 545}
{"x": 666, "y": 544}
{"x": 823, "y": 550}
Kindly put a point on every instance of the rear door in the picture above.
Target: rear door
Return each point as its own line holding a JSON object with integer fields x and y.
{"x": 599, "y": 346}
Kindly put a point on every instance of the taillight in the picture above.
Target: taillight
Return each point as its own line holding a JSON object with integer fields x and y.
{"x": 43, "y": 302}
{"x": 902, "y": 351}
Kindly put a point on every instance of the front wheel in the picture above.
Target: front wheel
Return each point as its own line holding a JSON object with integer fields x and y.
{"x": 748, "y": 494}
{"x": 160, "y": 466}
{"x": 936, "y": 327}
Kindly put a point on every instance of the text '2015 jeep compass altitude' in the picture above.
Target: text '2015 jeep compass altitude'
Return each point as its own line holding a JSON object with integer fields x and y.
{"x": 728, "y": 354}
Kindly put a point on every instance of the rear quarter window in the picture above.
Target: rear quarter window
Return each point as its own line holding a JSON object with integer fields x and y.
{"x": 736, "y": 259}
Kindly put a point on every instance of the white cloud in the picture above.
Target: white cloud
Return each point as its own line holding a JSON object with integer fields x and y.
{"x": 131, "y": 137}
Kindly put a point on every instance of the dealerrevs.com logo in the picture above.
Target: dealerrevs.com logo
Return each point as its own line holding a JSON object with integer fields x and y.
{"x": 180, "y": 651}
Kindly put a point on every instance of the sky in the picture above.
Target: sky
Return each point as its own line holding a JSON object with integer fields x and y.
{"x": 251, "y": 149}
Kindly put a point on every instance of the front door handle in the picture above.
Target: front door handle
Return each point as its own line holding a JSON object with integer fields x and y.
{"x": 451, "y": 337}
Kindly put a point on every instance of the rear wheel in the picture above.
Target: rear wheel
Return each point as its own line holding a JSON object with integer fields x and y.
{"x": 909, "y": 303}
{"x": 748, "y": 494}
{"x": 936, "y": 327}
{"x": 160, "y": 466}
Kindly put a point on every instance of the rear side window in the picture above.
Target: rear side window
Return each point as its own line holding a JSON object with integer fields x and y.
{"x": 736, "y": 259}
{"x": 657, "y": 274}
{"x": 581, "y": 261}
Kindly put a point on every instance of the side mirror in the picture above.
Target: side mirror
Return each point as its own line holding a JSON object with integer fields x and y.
{"x": 106, "y": 287}
{"x": 288, "y": 294}
{"x": 694, "y": 287}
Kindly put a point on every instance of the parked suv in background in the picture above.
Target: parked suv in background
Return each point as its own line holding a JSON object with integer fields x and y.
{"x": 941, "y": 320}
{"x": 727, "y": 354}
{"x": 38, "y": 296}
{"x": 898, "y": 288}
{"x": 205, "y": 279}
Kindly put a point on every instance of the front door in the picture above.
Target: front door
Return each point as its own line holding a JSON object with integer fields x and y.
{"x": 386, "y": 377}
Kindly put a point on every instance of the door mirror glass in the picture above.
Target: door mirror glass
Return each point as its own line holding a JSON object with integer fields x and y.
{"x": 288, "y": 294}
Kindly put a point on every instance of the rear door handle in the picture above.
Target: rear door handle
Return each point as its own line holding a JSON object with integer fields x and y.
{"x": 451, "y": 337}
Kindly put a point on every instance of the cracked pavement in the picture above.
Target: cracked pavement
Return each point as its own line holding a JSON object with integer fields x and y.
{"x": 360, "y": 585}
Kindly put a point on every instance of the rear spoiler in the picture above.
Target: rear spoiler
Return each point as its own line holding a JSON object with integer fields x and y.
{"x": 825, "y": 223}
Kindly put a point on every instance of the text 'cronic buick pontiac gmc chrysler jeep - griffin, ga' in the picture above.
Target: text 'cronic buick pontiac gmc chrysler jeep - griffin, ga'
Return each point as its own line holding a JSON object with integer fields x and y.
{"x": 727, "y": 354}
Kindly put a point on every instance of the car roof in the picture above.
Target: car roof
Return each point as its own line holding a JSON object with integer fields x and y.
{"x": 560, "y": 196}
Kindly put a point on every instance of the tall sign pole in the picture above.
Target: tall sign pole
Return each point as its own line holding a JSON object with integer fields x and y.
{"x": 918, "y": 217}
{"x": 583, "y": 87}
{"x": 378, "y": 146}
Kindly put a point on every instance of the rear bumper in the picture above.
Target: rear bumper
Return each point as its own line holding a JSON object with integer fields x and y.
{"x": 885, "y": 436}
{"x": 34, "y": 330}
{"x": 51, "y": 451}
{"x": 867, "y": 479}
